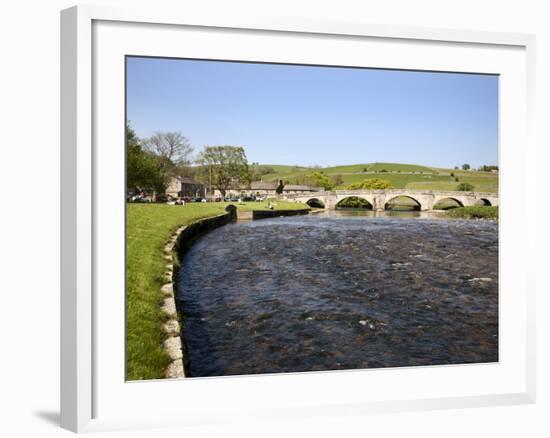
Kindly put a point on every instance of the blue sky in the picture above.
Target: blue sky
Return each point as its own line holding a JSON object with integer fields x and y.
{"x": 304, "y": 115}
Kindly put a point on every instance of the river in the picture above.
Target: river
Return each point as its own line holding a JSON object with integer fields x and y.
{"x": 340, "y": 291}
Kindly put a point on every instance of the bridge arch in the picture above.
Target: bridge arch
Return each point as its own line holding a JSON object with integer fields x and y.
{"x": 483, "y": 201}
{"x": 402, "y": 202}
{"x": 446, "y": 203}
{"x": 315, "y": 203}
{"x": 353, "y": 201}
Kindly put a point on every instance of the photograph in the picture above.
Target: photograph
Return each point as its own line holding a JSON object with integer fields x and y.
{"x": 290, "y": 218}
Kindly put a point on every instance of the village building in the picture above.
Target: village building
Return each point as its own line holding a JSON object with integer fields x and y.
{"x": 184, "y": 187}
{"x": 267, "y": 189}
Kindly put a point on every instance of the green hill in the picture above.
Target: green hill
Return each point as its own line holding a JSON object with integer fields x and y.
{"x": 396, "y": 167}
{"x": 399, "y": 175}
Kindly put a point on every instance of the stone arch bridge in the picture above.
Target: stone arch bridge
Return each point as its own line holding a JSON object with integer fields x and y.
{"x": 380, "y": 198}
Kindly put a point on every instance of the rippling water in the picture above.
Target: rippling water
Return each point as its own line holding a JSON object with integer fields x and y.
{"x": 327, "y": 292}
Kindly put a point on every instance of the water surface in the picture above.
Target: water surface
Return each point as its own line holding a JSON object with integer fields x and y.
{"x": 340, "y": 291}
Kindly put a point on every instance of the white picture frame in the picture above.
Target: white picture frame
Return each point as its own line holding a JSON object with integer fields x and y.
{"x": 94, "y": 397}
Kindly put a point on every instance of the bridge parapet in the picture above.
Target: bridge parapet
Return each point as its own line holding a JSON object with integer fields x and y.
{"x": 379, "y": 198}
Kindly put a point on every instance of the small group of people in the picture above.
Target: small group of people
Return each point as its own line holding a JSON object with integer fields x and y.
{"x": 176, "y": 202}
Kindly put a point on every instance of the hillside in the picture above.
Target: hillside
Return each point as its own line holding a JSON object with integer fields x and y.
{"x": 399, "y": 175}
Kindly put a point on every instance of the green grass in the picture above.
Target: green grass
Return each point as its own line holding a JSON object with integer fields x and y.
{"x": 481, "y": 184}
{"x": 149, "y": 226}
{"x": 477, "y": 212}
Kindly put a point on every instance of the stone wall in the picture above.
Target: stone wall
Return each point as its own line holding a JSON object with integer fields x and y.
{"x": 264, "y": 214}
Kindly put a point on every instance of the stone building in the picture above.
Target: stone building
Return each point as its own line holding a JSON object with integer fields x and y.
{"x": 268, "y": 189}
{"x": 184, "y": 187}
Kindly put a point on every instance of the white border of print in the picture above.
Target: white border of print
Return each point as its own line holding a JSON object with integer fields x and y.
{"x": 94, "y": 42}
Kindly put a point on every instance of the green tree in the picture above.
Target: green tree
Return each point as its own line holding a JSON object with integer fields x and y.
{"x": 142, "y": 167}
{"x": 370, "y": 184}
{"x": 223, "y": 167}
{"x": 465, "y": 166}
{"x": 321, "y": 180}
{"x": 486, "y": 168}
{"x": 465, "y": 187}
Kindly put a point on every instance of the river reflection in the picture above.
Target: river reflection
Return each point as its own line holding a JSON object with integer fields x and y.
{"x": 340, "y": 290}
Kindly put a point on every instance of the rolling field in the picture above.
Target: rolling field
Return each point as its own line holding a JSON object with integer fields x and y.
{"x": 399, "y": 175}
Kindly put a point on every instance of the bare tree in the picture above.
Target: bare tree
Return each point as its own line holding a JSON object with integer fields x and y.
{"x": 173, "y": 152}
{"x": 171, "y": 147}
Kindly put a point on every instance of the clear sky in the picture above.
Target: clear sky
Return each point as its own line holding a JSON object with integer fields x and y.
{"x": 304, "y": 115}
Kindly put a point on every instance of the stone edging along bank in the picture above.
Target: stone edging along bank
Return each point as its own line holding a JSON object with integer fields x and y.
{"x": 178, "y": 244}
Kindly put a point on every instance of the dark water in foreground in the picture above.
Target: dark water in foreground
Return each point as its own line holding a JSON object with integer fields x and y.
{"x": 343, "y": 292}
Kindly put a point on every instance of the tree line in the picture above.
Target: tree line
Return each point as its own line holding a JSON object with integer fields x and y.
{"x": 153, "y": 161}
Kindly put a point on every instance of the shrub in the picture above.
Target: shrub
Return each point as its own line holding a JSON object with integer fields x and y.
{"x": 322, "y": 181}
{"x": 370, "y": 184}
{"x": 465, "y": 187}
{"x": 354, "y": 202}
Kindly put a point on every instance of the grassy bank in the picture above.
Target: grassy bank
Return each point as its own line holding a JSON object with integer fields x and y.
{"x": 148, "y": 228}
{"x": 481, "y": 212}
